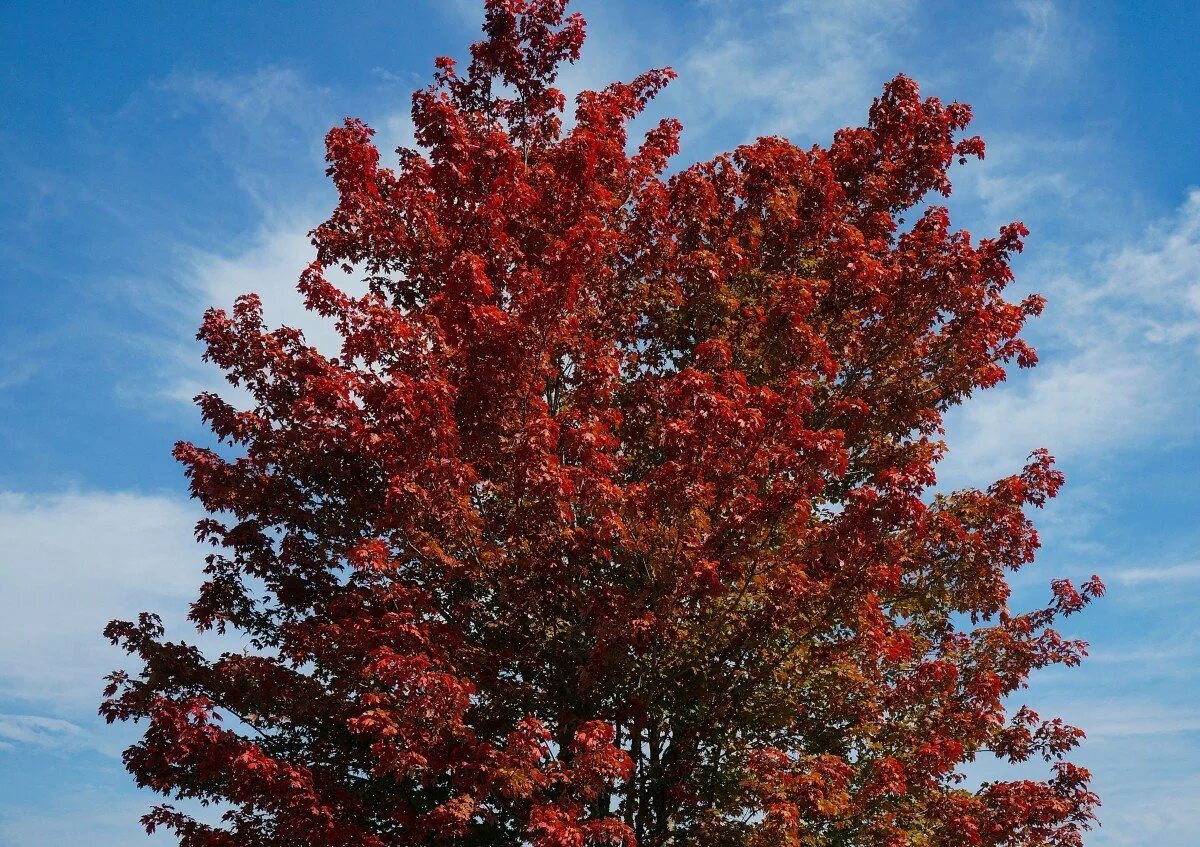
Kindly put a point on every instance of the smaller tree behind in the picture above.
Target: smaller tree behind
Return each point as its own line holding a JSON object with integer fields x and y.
{"x": 609, "y": 521}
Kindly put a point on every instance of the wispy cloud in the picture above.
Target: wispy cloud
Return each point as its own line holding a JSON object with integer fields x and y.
{"x": 1024, "y": 175}
{"x": 1123, "y": 331}
{"x": 1119, "y": 340}
{"x": 269, "y": 265}
{"x": 267, "y": 127}
{"x": 799, "y": 68}
{"x": 15, "y": 371}
{"x": 1114, "y": 719}
{"x": 1155, "y": 658}
{"x": 1069, "y": 406}
{"x": 36, "y": 730}
{"x": 1044, "y": 35}
{"x": 1157, "y": 281}
{"x": 101, "y": 813}
{"x": 1189, "y": 572}
{"x": 1156, "y": 810}
{"x": 262, "y": 125}
{"x": 260, "y": 100}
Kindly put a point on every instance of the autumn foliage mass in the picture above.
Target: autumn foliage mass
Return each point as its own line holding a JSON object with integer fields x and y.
{"x": 612, "y": 521}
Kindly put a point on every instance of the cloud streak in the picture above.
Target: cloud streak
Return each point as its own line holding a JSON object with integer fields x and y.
{"x": 1189, "y": 572}
{"x": 35, "y": 730}
{"x": 1043, "y": 37}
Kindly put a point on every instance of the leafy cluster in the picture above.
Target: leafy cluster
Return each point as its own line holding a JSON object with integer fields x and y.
{"x": 610, "y": 521}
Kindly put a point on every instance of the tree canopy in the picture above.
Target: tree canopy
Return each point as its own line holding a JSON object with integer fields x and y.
{"x": 612, "y": 521}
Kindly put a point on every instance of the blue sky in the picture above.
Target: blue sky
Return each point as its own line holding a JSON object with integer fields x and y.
{"x": 158, "y": 158}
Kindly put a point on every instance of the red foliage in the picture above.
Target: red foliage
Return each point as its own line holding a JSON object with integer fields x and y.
{"x": 609, "y": 523}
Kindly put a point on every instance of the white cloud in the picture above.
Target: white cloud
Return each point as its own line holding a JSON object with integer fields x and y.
{"x": 1171, "y": 659}
{"x": 268, "y": 127}
{"x": 396, "y": 130}
{"x": 269, "y": 267}
{"x": 1141, "y": 752}
{"x": 1025, "y": 175}
{"x": 71, "y": 563}
{"x": 1123, "y": 369}
{"x": 16, "y": 371}
{"x": 1085, "y": 404}
{"x": 269, "y": 264}
{"x": 1124, "y": 329}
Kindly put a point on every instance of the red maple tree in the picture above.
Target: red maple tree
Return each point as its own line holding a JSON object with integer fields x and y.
{"x": 610, "y": 522}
